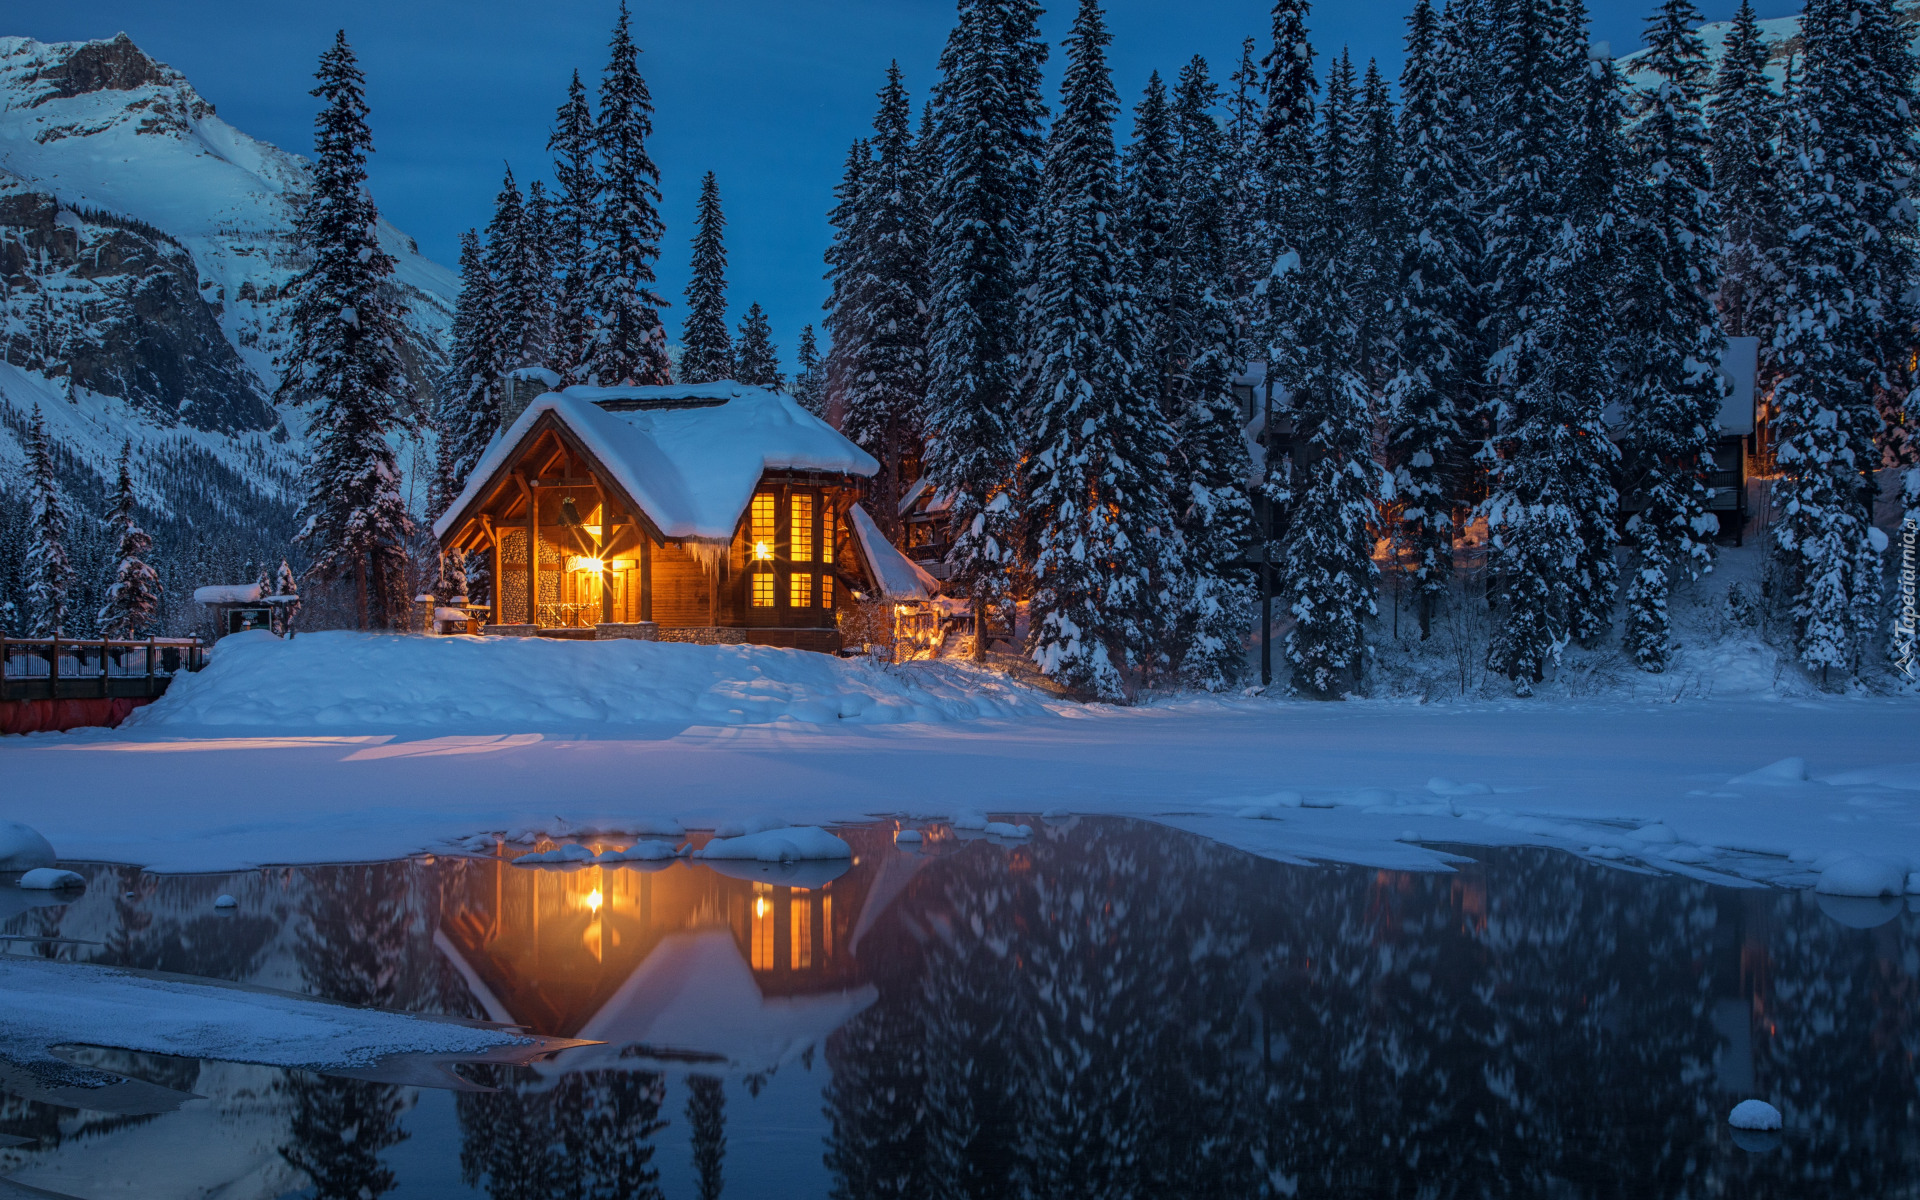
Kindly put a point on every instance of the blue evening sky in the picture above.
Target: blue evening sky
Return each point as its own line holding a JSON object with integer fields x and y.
{"x": 766, "y": 93}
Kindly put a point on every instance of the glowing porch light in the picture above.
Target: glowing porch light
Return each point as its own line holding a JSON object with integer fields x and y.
{"x": 759, "y": 906}
{"x": 595, "y": 900}
{"x": 762, "y": 552}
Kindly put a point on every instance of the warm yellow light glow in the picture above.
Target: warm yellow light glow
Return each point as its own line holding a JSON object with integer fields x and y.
{"x": 595, "y": 900}
{"x": 590, "y": 564}
{"x": 762, "y": 552}
{"x": 759, "y": 906}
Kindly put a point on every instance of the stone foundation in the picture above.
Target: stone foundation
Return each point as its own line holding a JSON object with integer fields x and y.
{"x": 704, "y": 635}
{"x": 635, "y": 631}
{"x": 511, "y": 630}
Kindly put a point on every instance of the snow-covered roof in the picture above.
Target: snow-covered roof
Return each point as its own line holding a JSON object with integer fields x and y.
{"x": 228, "y": 593}
{"x": 690, "y": 455}
{"x": 695, "y": 993}
{"x": 897, "y": 576}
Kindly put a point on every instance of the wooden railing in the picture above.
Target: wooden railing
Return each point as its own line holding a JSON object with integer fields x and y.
{"x": 60, "y": 668}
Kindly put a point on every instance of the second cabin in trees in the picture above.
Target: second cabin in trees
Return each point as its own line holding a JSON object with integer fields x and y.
{"x": 716, "y": 513}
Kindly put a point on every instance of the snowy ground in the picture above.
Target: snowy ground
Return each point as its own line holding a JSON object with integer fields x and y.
{"x": 342, "y": 748}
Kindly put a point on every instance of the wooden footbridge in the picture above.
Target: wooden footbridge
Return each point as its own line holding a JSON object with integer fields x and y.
{"x": 63, "y": 683}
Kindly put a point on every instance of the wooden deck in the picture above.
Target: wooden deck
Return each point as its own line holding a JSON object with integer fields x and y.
{"x": 94, "y": 668}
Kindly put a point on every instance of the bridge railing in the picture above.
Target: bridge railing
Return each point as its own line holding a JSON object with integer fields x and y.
{"x": 60, "y": 668}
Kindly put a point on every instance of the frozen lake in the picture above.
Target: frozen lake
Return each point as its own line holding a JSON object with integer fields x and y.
{"x": 1109, "y": 1008}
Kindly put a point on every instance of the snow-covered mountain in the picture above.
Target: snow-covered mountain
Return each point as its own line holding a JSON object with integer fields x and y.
{"x": 1781, "y": 35}
{"x": 145, "y": 249}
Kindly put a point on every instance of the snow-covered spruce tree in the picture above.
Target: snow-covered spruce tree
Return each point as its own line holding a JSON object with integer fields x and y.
{"x": 342, "y": 358}
{"x": 1586, "y": 282}
{"x": 469, "y": 413}
{"x": 630, "y": 345}
{"x": 1745, "y": 116}
{"x": 706, "y": 348}
{"x": 756, "y": 358}
{"x": 1211, "y": 468}
{"x": 133, "y": 601}
{"x": 1245, "y": 191}
{"x": 1104, "y": 549}
{"x": 534, "y": 304}
{"x": 1149, "y": 181}
{"x": 810, "y": 379}
{"x": 1378, "y": 213}
{"x": 50, "y": 575}
{"x": 1672, "y": 339}
{"x": 1440, "y": 243}
{"x": 286, "y": 583}
{"x": 842, "y": 319}
{"x": 988, "y": 114}
{"x": 1330, "y": 579}
{"x": 1533, "y": 524}
{"x": 508, "y": 267}
{"x": 1841, "y": 185}
{"x": 887, "y": 268}
{"x": 1287, "y": 205}
{"x": 575, "y": 212}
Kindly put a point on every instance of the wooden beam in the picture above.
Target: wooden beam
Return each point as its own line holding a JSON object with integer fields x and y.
{"x": 646, "y": 575}
{"x": 496, "y": 577}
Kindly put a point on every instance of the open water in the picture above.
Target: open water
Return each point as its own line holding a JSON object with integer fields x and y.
{"x": 1107, "y": 1009}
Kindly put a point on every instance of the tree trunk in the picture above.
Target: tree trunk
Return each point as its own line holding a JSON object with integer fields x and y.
{"x": 979, "y": 627}
{"x": 360, "y": 588}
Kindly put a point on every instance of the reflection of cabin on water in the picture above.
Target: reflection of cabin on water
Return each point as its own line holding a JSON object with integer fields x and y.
{"x": 716, "y": 513}
{"x": 636, "y": 952}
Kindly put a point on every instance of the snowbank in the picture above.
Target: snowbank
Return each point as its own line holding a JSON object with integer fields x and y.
{"x": 22, "y": 848}
{"x": 338, "y": 681}
{"x": 47, "y": 1004}
{"x": 795, "y": 844}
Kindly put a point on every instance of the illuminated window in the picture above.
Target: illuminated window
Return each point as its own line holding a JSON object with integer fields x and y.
{"x": 801, "y": 592}
{"x": 763, "y": 516}
{"x": 802, "y": 932}
{"x": 763, "y": 589}
{"x": 826, "y": 591}
{"x": 829, "y": 529}
{"x": 826, "y": 926}
{"x": 801, "y": 532}
{"x": 762, "y": 920}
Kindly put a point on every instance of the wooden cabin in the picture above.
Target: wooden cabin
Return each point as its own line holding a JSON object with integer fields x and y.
{"x": 715, "y": 513}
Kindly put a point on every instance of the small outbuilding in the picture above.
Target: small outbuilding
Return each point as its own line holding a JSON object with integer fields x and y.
{"x": 714, "y": 513}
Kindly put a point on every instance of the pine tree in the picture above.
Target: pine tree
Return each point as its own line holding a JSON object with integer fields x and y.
{"x": 842, "y": 319}
{"x": 1105, "y": 552}
{"x": 810, "y": 382}
{"x": 1245, "y": 181}
{"x": 469, "y": 415}
{"x": 134, "y": 599}
{"x": 1536, "y": 540}
{"x": 574, "y": 219}
{"x": 756, "y": 358}
{"x": 886, "y": 288}
{"x": 50, "y": 575}
{"x": 706, "y": 352}
{"x": 1330, "y": 578}
{"x": 988, "y": 113}
{"x": 508, "y": 268}
{"x": 1746, "y": 167}
{"x": 1425, "y": 399}
{"x": 1286, "y": 206}
{"x": 1211, "y": 469}
{"x": 1673, "y": 342}
{"x": 1378, "y": 215}
{"x": 630, "y": 345}
{"x": 1149, "y": 181}
{"x": 707, "y": 1122}
{"x": 343, "y": 358}
{"x": 535, "y": 255}
{"x": 287, "y": 584}
{"x": 1841, "y": 304}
